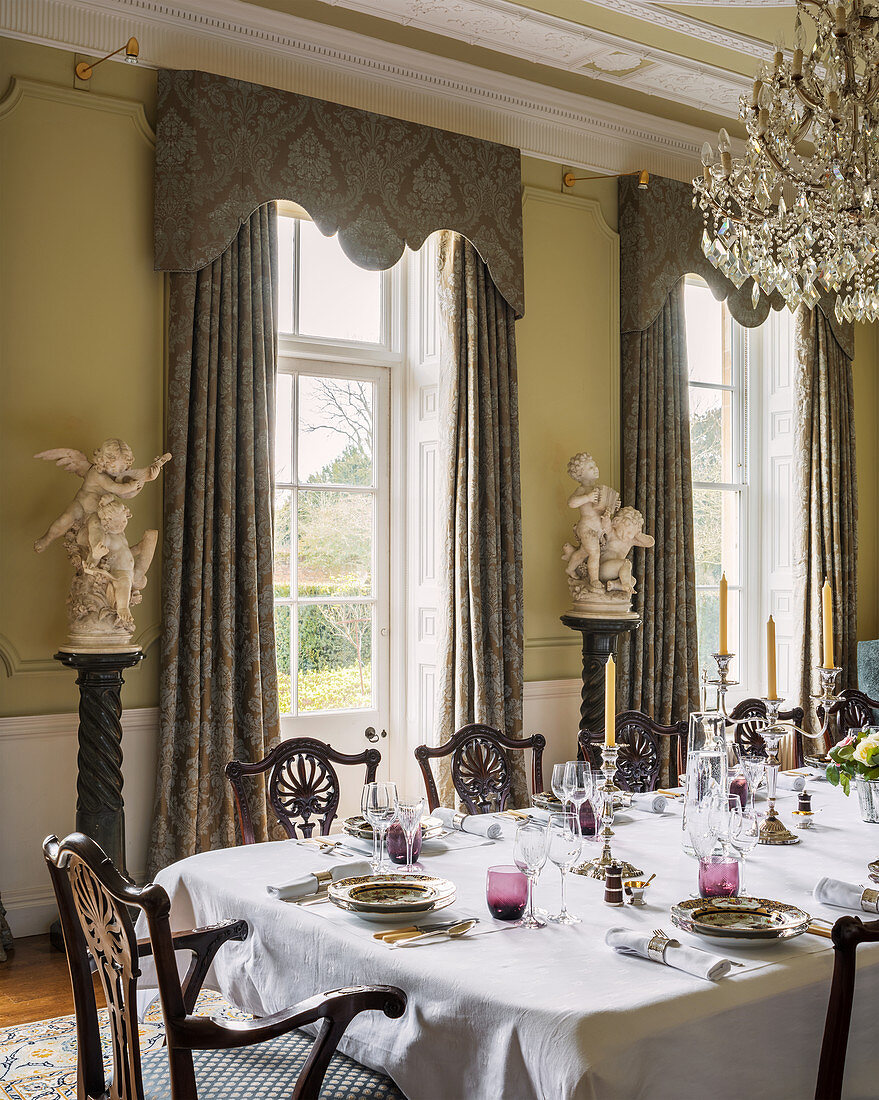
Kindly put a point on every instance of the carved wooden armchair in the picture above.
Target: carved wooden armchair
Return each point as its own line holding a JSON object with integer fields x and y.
{"x": 848, "y": 933}
{"x": 302, "y": 784}
{"x": 640, "y": 757}
{"x": 750, "y": 715}
{"x": 853, "y": 710}
{"x": 94, "y": 901}
{"x": 481, "y": 770}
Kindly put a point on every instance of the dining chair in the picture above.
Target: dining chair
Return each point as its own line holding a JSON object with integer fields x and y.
{"x": 853, "y": 710}
{"x": 481, "y": 768}
{"x": 302, "y": 784}
{"x": 640, "y": 756}
{"x": 260, "y": 1057}
{"x": 750, "y": 715}
{"x": 847, "y": 934}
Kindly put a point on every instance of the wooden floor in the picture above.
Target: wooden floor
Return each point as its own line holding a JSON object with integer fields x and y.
{"x": 34, "y": 983}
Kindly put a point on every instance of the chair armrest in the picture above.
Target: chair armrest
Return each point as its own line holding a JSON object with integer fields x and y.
{"x": 204, "y": 943}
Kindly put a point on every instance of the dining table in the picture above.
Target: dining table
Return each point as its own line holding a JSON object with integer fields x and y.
{"x": 555, "y": 1013}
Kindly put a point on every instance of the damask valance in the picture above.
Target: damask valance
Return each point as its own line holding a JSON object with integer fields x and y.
{"x": 661, "y": 241}
{"x": 225, "y": 147}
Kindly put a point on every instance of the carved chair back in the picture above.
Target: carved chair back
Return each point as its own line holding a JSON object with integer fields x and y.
{"x": 750, "y": 715}
{"x": 640, "y": 757}
{"x": 847, "y": 934}
{"x": 302, "y": 785}
{"x": 481, "y": 767}
{"x": 853, "y": 711}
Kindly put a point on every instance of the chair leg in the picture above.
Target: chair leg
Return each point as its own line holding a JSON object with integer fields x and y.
{"x": 831, "y": 1068}
{"x": 311, "y": 1077}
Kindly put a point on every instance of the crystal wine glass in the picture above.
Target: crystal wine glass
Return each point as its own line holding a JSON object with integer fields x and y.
{"x": 557, "y": 783}
{"x": 409, "y": 818}
{"x": 564, "y": 848}
{"x": 578, "y": 782}
{"x": 379, "y": 803}
{"x": 529, "y": 855}
{"x": 752, "y": 766}
{"x": 745, "y": 832}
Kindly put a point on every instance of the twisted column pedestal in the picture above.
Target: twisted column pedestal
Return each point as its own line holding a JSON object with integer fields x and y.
{"x": 599, "y": 642}
{"x": 100, "y": 809}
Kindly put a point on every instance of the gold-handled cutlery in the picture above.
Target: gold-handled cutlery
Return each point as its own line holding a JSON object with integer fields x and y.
{"x": 459, "y": 932}
{"x": 392, "y": 935}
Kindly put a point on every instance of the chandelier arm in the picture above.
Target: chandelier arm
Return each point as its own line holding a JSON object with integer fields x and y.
{"x": 803, "y": 128}
{"x": 810, "y": 99}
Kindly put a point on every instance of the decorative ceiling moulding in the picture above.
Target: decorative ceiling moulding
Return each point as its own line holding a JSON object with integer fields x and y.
{"x": 298, "y": 55}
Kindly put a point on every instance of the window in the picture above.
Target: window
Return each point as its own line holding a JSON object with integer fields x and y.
{"x": 741, "y": 451}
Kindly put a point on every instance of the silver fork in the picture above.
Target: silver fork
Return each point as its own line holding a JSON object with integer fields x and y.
{"x": 660, "y": 934}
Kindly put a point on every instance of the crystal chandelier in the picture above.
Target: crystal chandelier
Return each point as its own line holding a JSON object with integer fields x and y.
{"x": 799, "y": 211}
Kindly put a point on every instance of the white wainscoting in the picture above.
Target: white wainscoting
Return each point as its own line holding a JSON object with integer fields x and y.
{"x": 38, "y": 797}
{"x": 38, "y": 788}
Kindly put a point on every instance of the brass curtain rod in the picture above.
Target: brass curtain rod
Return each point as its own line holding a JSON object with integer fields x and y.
{"x": 85, "y": 69}
{"x": 569, "y": 179}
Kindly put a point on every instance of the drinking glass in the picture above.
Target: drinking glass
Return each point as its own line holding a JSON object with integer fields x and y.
{"x": 529, "y": 855}
{"x": 752, "y": 767}
{"x": 506, "y": 892}
{"x": 564, "y": 848}
{"x": 700, "y": 827}
{"x": 557, "y": 783}
{"x": 409, "y": 818}
{"x": 396, "y": 841}
{"x": 378, "y": 804}
{"x": 591, "y": 815}
{"x": 745, "y": 836}
{"x": 578, "y": 782}
{"x": 719, "y": 876}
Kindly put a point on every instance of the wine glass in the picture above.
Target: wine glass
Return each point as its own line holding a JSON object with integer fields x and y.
{"x": 564, "y": 848}
{"x": 700, "y": 826}
{"x": 379, "y": 803}
{"x": 752, "y": 766}
{"x": 557, "y": 783}
{"x": 578, "y": 783}
{"x": 529, "y": 855}
{"x": 745, "y": 833}
{"x": 409, "y": 818}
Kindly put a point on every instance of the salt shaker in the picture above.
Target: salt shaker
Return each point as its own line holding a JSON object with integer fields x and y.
{"x": 613, "y": 885}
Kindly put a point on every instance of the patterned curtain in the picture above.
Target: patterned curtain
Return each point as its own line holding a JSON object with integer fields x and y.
{"x": 481, "y": 652}
{"x": 659, "y": 666}
{"x": 5, "y": 934}
{"x": 218, "y": 690}
{"x": 825, "y": 500}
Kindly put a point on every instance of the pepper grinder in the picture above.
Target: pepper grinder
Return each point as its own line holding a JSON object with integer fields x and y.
{"x": 804, "y": 801}
{"x": 613, "y": 885}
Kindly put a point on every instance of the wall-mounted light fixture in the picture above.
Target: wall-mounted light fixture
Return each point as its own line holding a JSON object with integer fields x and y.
{"x": 85, "y": 69}
{"x": 569, "y": 179}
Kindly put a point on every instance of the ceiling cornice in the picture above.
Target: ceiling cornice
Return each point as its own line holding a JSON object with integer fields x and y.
{"x": 241, "y": 40}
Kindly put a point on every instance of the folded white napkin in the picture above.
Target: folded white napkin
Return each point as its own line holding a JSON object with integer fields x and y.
{"x": 689, "y": 959}
{"x": 650, "y": 802}
{"x": 791, "y": 782}
{"x": 469, "y": 823}
{"x": 843, "y": 895}
{"x": 303, "y": 885}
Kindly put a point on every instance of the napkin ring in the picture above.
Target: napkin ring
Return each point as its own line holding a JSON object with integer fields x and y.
{"x": 458, "y": 821}
{"x": 870, "y": 900}
{"x": 656, "y": 948}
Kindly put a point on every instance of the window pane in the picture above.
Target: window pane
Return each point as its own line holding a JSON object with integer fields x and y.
{"x": 707, "y": 357}
{"x": 336, "y": 298}
{"x": 708, "y": 626}
{"x": 335, "y": 431}
{"x": 282, "y": 541}
{"x": 286, "y": 228}
{"x": 282, "y": 649}
{"x": 284, "y": 428}
{"x": 716, "y": 535}
{"x": 711, "y": 436}
{"x": 335, "y": 657}
{"x": 335, "y": 543}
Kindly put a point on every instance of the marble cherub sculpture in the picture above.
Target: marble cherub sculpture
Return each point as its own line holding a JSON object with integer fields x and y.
{"x": 598, "y": 569}
{"x": 109, "y": 575}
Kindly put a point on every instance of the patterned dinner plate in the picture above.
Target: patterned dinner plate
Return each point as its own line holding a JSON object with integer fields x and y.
{"x": 549, "y": 802}
{"x": 745, "y": 919}
{"x": 358, "y": 826}
{"x": 391, "y": 897}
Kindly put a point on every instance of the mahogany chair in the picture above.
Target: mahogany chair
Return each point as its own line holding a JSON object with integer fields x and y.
{"x": 94, "y": 901}
{"x": 847, "y": 934}
{"x": 640, "y": 757}
{"x": 481, "y": 771}
{"x": 748, "y": 714}
{"x": 853, "y": 711}
{"x": 302, "y": 784}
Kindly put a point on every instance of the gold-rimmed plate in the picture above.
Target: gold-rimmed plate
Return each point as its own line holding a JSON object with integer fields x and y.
{"x": 743, "y": 919}
{"x": 391, "y": 897}
{"x": 358, "y": 826}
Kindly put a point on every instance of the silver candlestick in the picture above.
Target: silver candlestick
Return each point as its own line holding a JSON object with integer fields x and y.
{"x": 723, "y": 682}
{"x": 824, "y": 702}
{"x": 596, "y": 868}
{"x": 773, "y": 829}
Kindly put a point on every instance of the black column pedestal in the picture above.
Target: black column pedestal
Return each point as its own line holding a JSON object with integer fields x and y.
{"x": 100, "y": 810}
{"x": 599, "y": 642}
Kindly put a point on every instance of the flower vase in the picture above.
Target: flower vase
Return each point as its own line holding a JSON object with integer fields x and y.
{"x": 868, "y": 796}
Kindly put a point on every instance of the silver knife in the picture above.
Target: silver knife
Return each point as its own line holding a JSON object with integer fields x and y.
{"x": 467, "y": 935}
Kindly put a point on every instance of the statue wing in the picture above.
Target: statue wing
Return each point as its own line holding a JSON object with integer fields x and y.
{"x": 68, "y": 458}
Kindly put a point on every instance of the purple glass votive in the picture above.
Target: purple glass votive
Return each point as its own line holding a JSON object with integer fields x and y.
{"x": 396, "y": 839}
{"x": 738, "y": 785}
{"x": 718, "y": 877}
{"x": 506, "y": 892}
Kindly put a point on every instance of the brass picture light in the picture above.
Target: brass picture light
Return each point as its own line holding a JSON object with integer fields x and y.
{"x": 85, "y": 69}
{"x": 569, "y": 179}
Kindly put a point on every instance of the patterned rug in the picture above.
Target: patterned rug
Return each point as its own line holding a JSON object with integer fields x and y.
{"x": 38, "y": 1060}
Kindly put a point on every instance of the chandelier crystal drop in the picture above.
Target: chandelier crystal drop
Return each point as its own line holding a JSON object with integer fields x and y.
{"x": 797, "y": 212}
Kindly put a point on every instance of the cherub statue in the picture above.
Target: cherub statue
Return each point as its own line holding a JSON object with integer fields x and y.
{"x": 597, "y": 503}
{"x": 108, "y": 573}
{"x": 626, "y": 531}
{"x": 109, "y": 472}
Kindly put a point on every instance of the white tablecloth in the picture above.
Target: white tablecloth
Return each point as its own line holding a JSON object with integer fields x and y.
{"x": 555, "y": 1014}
